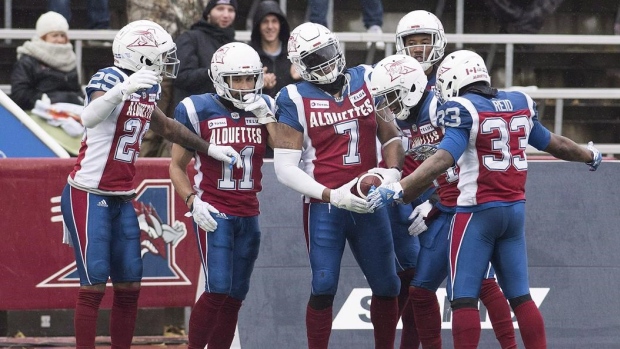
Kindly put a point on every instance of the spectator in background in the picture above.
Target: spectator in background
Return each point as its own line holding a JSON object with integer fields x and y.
{"x": 175, "y": 16}
{"x": 197, "y": 45}
{"x": 270, "y": 35}
{"x": 98, "y": 12}
{"x": 372, "y": 15}
{"x": 522, "y": 17}
{"x": 46, "y": 65}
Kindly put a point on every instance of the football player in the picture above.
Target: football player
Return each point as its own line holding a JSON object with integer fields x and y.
{"x": 98, "y": 214}
{"x": 328, "y": 122}
{"x": 420, "y": 34}
{"x": 223, "y": 200}
{"x": 486, "y": 133}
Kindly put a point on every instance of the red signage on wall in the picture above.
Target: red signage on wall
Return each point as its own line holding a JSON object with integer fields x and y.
{"x": 37, "y": 271}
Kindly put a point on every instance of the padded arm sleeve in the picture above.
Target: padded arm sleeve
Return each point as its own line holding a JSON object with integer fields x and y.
{"x": 100, "y": 108}
{"x": 286, "y": 163}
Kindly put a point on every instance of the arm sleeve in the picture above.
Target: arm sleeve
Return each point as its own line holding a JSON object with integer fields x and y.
{"x": 100, "y": 108}
{"x": 286, "y": 163}
{"x": 540, "y": 136}
{"x": 455, "y": 142}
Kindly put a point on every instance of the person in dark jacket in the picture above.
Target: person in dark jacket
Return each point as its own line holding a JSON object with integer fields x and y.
{"x": 46, "y": 65}
{"x": 270, "y": 34}
{"x": 196, "y": 47}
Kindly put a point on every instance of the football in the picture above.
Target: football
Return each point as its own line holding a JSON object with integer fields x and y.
{"x": 366, "y": 181}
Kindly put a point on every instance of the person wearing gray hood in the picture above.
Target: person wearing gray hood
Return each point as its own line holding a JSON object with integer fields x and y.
{"x": 270, "y": 33}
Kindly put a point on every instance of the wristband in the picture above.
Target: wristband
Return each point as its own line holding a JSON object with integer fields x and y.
{"x": 189, "y": 196}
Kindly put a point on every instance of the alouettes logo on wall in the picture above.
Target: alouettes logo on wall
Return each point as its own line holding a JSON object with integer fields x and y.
{"x": 355, "y": 312}
{"x": 160, "y": 234}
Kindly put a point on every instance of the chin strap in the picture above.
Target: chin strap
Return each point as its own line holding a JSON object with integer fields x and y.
{"x": 335, "y": 86}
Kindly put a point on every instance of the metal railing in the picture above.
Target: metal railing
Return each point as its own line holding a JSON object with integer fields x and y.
{"x": 509, "y": 40}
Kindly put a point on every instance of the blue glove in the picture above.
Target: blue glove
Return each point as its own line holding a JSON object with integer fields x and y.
{"x": 384, "y": 195}
{"x": 596, "y": 157}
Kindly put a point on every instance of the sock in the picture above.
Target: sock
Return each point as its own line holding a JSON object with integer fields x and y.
{"x": 226, "y": 322}
{"x": 409, "y": 334}
{"x": 384, "y": 318}
{"x": 318, "y": 327}
{"x": 427, "y": 317}
{"x": 85, "y": 319}
{"x": 203, "y": 319}
{"x": 531, "y": 325}
{"x": 499, "y": 313}
{"x": 466, "y": 328}
{"x": 123, "y": 317}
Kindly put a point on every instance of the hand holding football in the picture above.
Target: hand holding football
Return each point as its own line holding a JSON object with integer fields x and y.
{"x": 365, "y": 182}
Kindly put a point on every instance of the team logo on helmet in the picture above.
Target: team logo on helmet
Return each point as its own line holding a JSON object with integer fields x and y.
{"x": 292, "y": 42}
{"x": 146, "y": 38}
{"x": 398, "y": 69}
{"x": 218, "y": 56}
{"x": 442, "y": 70}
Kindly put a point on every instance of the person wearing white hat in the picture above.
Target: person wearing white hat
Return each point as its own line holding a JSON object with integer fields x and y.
{"x": 46, "y": 65}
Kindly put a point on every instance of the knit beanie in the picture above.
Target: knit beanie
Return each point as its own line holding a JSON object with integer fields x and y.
{"x": 213, "y": 3}
{"x": 51, "y": 22}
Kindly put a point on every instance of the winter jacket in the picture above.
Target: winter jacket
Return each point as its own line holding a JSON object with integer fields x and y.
{"x": 279, "y": 65}
{"x": 30, "y": 79}
{"x": 195, "y": 48}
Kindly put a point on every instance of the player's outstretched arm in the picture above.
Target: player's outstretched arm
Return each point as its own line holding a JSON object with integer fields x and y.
{"x": 566, "y": 149}
{"x": 175, "y": 132}
{"x": 412, "y": 186}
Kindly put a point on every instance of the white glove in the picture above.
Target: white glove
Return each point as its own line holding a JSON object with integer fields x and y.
{"x": 390, "y": 175}
{"x": 418, "y": 226}
{"x": 260, "y": 108}
{"x": 140, "y": 80}
{"x": 343, "y": 198}
{"x": 225, "y": 153}
{"x": 202, "y": 217}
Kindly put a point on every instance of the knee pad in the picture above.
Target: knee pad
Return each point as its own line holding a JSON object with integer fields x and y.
{"x": 320, "y": 302}
{"x": 464, "y": 303}
{"x": 324, "y": 282}
{"x": 517, "y": 301}
{"x": 98, "y": 272}
{"x": 386, "y": 286}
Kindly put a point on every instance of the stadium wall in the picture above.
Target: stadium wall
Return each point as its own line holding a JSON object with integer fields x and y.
{"x": 572, "y": 230}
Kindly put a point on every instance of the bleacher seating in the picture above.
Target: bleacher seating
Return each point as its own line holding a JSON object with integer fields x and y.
{"x": 546, "y": 66}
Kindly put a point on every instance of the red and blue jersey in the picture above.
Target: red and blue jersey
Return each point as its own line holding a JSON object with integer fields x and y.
{"x": 231, "y": 190}
{"x": 488, "y": 137}
{"x": 332, "y": 127}
{"x": 106, "y": 161}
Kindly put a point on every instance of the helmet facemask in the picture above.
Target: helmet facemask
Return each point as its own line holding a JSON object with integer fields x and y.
{"x": 429, "y": 58}
{"x": 223, "y": 85}
{"x": 389, "y": 104}
{"x": 321, "y": 66}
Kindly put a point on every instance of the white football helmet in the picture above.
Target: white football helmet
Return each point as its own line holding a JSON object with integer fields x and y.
{"x": 397, "y": 84}
{"x": 421, "y": 22}
{"x": 236, "y": 59}
{"x": 315, "y": 53}
{"x": 145, "y": 44}
{"x": 458, "y": 70}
